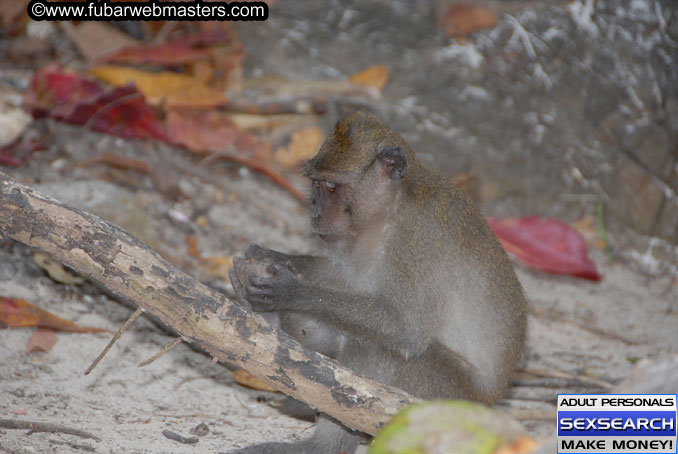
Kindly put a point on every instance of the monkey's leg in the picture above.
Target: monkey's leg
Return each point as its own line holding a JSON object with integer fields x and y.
{"x": 329, "y": 437}
{"x": 296, "y": 409}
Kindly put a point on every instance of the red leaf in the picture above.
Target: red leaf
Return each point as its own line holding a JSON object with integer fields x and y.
{"x": 201, "y": 130}
{"x": 177, "y": 52}
{"x": 69, "y": 97}
{"x": 6, "y": 160}
{"x": 17, "y": 153}
{"x": 546, "y": 244}
{"x": 211, "y": 130}
{"x": 123, "y": 112}
{"x": 42, "y": 340}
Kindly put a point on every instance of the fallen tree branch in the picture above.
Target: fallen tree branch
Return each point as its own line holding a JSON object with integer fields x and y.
{"x": 132, "y": 271}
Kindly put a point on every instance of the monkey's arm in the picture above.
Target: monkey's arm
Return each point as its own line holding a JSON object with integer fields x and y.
{"x": 367, "y": 316}
{"x": 270, "y": 285}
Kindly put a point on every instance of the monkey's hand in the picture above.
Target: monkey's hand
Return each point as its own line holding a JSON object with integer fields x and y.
{"x": 256, "y": 252}
{"x": 266, "y": 281}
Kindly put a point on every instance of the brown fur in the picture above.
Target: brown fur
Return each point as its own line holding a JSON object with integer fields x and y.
{"x": 413, "y": 289}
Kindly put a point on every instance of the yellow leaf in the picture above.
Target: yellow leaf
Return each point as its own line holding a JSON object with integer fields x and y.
{"x": 55, "y": 270}
{"x": 304, "y": 144}
{"x": 172, "y": 89}
{"x": 374, "y": 76}
{"x": 257, "y": 122}
{"x": 244, "y": 378}
{"x": 586, "y": 226}
{"x": 202, "y": 221}
{"x": 216, "y": 266}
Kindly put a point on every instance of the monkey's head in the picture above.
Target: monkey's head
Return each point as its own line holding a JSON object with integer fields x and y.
{"x": 357, "y": 176}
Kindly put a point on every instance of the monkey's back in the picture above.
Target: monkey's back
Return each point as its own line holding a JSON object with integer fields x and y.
{"x": 465, "y": 275}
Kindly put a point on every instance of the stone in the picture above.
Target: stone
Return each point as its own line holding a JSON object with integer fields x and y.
{"x": 638, "y": 199}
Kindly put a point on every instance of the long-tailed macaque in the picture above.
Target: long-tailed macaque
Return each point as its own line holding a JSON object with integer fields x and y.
{"x": 412, "y": 287}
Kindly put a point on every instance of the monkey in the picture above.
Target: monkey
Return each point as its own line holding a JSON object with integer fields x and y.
{"x": 410, "y": 288}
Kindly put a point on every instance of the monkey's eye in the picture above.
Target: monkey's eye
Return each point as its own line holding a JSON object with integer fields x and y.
{"x": 316, "y": 183}
{"x": 330, "y": 186}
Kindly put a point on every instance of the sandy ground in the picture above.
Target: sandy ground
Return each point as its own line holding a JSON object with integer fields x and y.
{"x": 591, "y": 330}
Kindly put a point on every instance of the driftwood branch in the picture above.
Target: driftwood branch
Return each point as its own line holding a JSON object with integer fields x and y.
{"x": 130, "y": 270}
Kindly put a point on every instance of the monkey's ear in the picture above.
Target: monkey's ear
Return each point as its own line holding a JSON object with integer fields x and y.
{"x": 394, "y": 162}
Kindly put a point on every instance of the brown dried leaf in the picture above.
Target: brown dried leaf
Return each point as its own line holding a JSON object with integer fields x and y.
{"x": 192, "y": 247}
{"x": 117, "y": 162}
{"x": 244, "y": 378}
{"x": 374, "y": 76}
{"x": 304, "y": 144}
{"x": 459, "y": 20}
{"x": 216, "y": 266}
{"x": 18, "y": 313}
{"x": 522, "y": 445}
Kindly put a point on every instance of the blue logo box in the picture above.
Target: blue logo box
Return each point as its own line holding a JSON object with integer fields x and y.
{"x": 617, "y": 423}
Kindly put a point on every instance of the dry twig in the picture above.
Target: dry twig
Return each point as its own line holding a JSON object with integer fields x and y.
{"x": 256, "y": 165}
{"x": 164, "y": 350}
{"x": 114, "y": 339}
{"x": 553, "y": 315}
{"x": 44, "y": 427}
{"x": 571, "y": 377}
